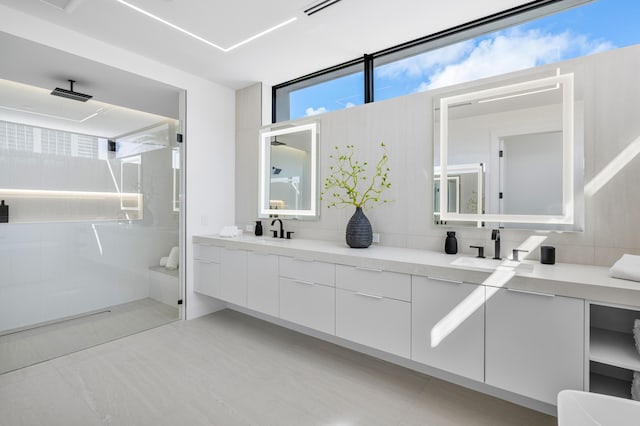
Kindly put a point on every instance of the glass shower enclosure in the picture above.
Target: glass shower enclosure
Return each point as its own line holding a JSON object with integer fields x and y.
{"x": 90, "y": 251}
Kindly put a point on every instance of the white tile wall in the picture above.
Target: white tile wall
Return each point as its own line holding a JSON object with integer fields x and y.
{"x": 53, "y": 270}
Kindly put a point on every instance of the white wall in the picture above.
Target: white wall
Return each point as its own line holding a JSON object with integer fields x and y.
{"x": 209, "y": 135}
{"x": 608, "y": 94}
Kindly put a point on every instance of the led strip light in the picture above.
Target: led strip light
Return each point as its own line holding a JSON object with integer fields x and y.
{"x": 197, "y": 37}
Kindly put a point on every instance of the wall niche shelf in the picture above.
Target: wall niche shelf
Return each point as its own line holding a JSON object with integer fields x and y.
{"x": 613, "y": 356}
{"x": 45, "y": 206}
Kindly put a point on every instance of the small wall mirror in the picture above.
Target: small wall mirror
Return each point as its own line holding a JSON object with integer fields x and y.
{"x": 509, "y": 155}
{"x": 288, "y": 171}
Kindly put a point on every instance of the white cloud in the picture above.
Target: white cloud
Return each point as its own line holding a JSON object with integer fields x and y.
{"x": 311, "y": 111}
{"x": 419, "y": 65}
{"x": 350, "y": 105}
{"x": 510, "y": 51}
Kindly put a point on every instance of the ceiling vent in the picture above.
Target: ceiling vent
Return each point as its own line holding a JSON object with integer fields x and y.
{"x": 320, "y": 6}
{"x": 70, "y": 94}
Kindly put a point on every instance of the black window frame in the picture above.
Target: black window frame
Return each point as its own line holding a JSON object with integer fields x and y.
{"x": 491, "y": 23}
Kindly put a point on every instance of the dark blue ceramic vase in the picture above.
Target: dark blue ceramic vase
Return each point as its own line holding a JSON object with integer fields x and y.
{"x": 359, "y": 233}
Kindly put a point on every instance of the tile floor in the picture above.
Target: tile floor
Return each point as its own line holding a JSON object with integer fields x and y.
{"x": 230, "y": 369}
{"x": 24, "y": 348}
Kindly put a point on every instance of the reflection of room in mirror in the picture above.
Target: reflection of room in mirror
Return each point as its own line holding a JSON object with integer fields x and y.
{"x": 532, "y": 161}
{"x": 466, "y": 190}
{"x": 453, "y": 186}
{"x": 523, "y": 134}
{"x": 288, "y": 171}
{"x": 289, "y": 177}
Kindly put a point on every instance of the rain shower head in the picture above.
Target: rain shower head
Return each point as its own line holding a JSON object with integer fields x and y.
{"x": 70, "y": 94}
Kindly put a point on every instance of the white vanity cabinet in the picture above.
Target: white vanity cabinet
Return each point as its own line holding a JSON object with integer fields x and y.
{"x": 452, "y": 314}
{"x": 221, "y": 273}
{"x": 206, "y": 269}
{"x": 307, "y": 293}
{"x": 534, "y": 343}
{"x": 524, "y": 346}
{"x": 263, "y": 288}
{"x": 233, "y": 276}
{"x": 373, "y": 308}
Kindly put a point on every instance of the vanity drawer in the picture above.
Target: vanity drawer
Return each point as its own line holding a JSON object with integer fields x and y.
{"x": 445, "y": 340}
{"x": 308, "y": 304}
{"x": 307, "y": 270}
{"x": 263, "y": 283}
{"x": 375, "y": 282}
{"x": 374, "y": 321}
{"x": 206, "y": 279}
{"x": 205, "y": 252}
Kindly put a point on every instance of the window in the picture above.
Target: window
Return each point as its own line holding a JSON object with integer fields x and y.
{"x": 535, "y": 34}
{"x": 342, "y": 88}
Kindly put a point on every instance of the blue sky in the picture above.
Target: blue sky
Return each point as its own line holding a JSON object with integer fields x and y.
{"x": 595, "y": 27}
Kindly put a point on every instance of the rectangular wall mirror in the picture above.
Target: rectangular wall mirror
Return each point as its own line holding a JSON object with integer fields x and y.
{"x": 289, "y": 171}
{"x": 510, "y": 156}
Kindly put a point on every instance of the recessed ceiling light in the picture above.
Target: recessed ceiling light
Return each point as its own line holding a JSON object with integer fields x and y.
{"x": 197, "y": 37}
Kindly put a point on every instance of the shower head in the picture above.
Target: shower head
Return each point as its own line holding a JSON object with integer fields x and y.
{"x": 70, "y": 94}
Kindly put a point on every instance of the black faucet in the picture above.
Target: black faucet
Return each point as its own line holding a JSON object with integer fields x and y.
{"x": 495, "y": 235}
{"x": 281, "y": 227}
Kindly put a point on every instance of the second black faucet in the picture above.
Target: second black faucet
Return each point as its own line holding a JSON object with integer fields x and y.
{"x": 495, "y": 235}
{"x": 281, "y": 228}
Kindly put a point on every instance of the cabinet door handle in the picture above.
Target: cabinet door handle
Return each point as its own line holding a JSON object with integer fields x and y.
{"x": 360, "y": 268}
{"x": 205, "y": 261}
{"x": 371, "y": 296}
{"x": 259, "y": 253}
{"x": 303, "y": 282}
{"x": 446, "y": 280}
{"x": 302, "y": 260}
{"x": 533, "y": 293}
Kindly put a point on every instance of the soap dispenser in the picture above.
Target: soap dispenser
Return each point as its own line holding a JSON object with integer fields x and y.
{"x": 451, "y": 243}
{"x": 4, "y": 212}
{"x": 258, "y": 228}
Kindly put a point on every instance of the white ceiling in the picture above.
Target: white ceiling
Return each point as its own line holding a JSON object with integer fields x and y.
{"x": 341, "y": 32}
{"x": 21, "y": 103}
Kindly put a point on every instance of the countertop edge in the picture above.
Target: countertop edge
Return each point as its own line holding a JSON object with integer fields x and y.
{"x": 588, "y": 282}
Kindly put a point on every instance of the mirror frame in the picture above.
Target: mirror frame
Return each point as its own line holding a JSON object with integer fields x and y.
{"x": 265, "y": 167}
{"x": 565, "y": 81}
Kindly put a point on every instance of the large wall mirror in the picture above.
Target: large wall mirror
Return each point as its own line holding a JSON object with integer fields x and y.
{"x": 288, "y": 171}
{"x": 510, "y": 156}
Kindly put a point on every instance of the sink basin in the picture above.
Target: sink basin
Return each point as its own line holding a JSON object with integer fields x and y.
{"x": 266, "y": 241}
{"x": 491, "y": 264}
{"x": 476, "y": 262}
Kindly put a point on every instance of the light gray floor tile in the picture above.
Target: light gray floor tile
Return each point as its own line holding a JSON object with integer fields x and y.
{"x": 30, "y": 347}
{"x": 231, "y": 369}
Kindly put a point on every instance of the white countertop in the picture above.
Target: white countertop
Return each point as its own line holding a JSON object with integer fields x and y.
{"x": 581, "y": 281}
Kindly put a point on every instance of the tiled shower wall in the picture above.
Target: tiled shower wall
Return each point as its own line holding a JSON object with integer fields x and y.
{"x": 64, "y": 267}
